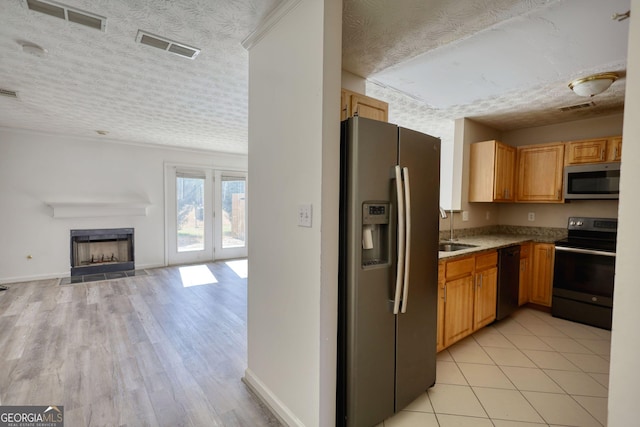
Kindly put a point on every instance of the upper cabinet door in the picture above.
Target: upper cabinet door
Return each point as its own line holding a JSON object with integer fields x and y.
{"x": 614, "y": 149}
{"x": 370, "y": 108}
{"x": 587, "y": 151}
{"x": 345, "y": 105}
{"x": 594, "y": 150}
{"x": 491, "y": 172}
{"x": 352, "y": 104}
{"x": 504, "y": 173}
{"x": 540, "y": 169}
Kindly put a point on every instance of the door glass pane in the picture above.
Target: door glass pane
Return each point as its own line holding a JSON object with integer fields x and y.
{"x": 190, "y": 197}
{"x": 233, "y": 212}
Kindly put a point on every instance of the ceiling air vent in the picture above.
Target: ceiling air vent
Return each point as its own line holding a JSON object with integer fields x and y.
{"x": 68, "y": 13}
{"x": 8, "y": 93}
{"x": 578, "y": 106}
{"x": 166, "y": 44}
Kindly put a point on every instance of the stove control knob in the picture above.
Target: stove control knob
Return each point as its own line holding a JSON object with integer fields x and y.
{"x": 572, "y": 223}
{"x": 579, "y": 223}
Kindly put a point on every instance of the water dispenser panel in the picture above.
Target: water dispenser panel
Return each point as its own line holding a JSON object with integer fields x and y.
{"x": 375, "y": 213}
{"x": 375, "y": 233}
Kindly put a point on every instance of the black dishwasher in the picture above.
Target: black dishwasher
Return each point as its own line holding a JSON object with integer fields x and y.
{"x": 508, "y": 281}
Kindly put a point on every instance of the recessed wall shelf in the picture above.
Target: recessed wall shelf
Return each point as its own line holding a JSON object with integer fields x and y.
{"x": 97, "y": 209}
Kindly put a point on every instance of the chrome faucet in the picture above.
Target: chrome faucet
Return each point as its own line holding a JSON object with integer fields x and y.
{"x": 443, "y": 215}
{"x": 451, "y": 239}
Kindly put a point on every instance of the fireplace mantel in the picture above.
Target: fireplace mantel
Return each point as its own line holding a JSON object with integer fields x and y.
{"x": 97, "y": 209}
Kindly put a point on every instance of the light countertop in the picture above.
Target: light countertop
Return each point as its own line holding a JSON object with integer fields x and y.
{"x": 487, "y": 242}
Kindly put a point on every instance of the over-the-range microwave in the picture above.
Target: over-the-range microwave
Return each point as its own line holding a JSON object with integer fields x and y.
{"x": 593, "y": 181}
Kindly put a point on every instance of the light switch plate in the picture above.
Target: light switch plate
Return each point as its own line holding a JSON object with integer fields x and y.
{"x": 305, "y": 213}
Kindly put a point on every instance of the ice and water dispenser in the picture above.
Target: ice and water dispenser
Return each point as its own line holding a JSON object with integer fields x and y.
{"x": 375, "y": 233}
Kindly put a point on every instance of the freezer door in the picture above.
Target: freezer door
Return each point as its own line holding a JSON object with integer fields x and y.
{"x": 368, "y": 326}
{"x": 416, "y": 328}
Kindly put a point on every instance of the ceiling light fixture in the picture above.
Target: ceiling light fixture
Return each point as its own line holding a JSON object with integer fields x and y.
{"x": 593, "y": 85}
{"x": 33, "y": 49}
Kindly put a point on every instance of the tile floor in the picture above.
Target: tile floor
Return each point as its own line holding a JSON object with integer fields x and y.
{"x": 530, "y": 369}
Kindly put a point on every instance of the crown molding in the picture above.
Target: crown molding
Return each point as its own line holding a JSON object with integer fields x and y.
{"x": 269, "y": 22}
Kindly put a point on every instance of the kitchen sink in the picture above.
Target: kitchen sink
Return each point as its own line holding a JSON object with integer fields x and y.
{"x": 451, "y": 247}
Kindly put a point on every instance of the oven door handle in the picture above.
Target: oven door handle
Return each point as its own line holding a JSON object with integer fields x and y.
{"x": 585, "y": 251}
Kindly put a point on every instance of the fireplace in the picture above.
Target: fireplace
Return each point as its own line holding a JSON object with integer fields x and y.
{"x": 101, "y": 251}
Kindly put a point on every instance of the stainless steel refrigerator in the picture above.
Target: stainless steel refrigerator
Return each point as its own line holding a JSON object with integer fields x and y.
{"x": 389, "y": 210}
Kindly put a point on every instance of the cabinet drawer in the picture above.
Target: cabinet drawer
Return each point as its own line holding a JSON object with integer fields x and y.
{"x": 441, "y": 269}
{"x": 460, "y": 267}
{"x": 525, "y": 250}
{"x": 486, "y": 260}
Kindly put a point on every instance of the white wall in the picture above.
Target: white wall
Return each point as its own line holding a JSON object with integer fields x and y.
{"x": 625, "y": 344}
{"x": 38, "y": 168}
{"x": 596, "y": 127}
{"x": 294, "y": 90}
{"x": 353, "y": 82}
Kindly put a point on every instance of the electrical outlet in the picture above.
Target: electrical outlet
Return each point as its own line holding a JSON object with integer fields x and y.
{"x": 465, "y": 215}
{"x": 531, "y": 216}
{"x": 304, "y": 215}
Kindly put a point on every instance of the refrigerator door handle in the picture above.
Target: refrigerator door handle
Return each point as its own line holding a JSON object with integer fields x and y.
{"x": 407, "y": 251}
{"x": 401, "y": 245}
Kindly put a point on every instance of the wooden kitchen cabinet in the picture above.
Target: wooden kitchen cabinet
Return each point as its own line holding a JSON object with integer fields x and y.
{"x": 491, "y": 172}
{"x": 364, "y": 106}
{"x": 441, "y": 282}
{"x": 486, "y": 285}
{"x": 587, "y": 151}
{"x": 525, "y": 273}
{"x": 458, "y": 300}
{"x": 540, "y": 170}
{"x": 543, "y": 255}
{"x": 614, "y": 149}
{"x": 594, "y": 150}
{"x": 466, "y": 296}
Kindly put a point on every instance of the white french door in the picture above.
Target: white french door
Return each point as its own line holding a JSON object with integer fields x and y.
{"x": 189, "y": 213}
{"x": 205, "y": 214}
{"x": 231, "y": 231}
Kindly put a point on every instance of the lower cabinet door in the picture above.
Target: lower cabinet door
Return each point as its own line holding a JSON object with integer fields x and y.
{"x": 485, "y": 297}
{"x": 458, "y": 311}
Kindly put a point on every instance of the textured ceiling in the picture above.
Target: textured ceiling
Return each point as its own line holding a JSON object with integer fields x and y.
{"x": 91, "y": 80}
{"x": 378, "y": 34}
{"x": 505, "y": 63}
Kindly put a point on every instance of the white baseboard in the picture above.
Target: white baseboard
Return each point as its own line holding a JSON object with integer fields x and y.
{"x": 20, "y": 279}
{"x": 49, "y": 276}
{"x": 279, "y": 409}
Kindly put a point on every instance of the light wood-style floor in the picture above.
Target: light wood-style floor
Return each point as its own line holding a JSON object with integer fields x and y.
{"x": 138, "y": 351}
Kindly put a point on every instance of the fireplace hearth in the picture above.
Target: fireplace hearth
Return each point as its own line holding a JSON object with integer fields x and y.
{"x": 106, "y": 250}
